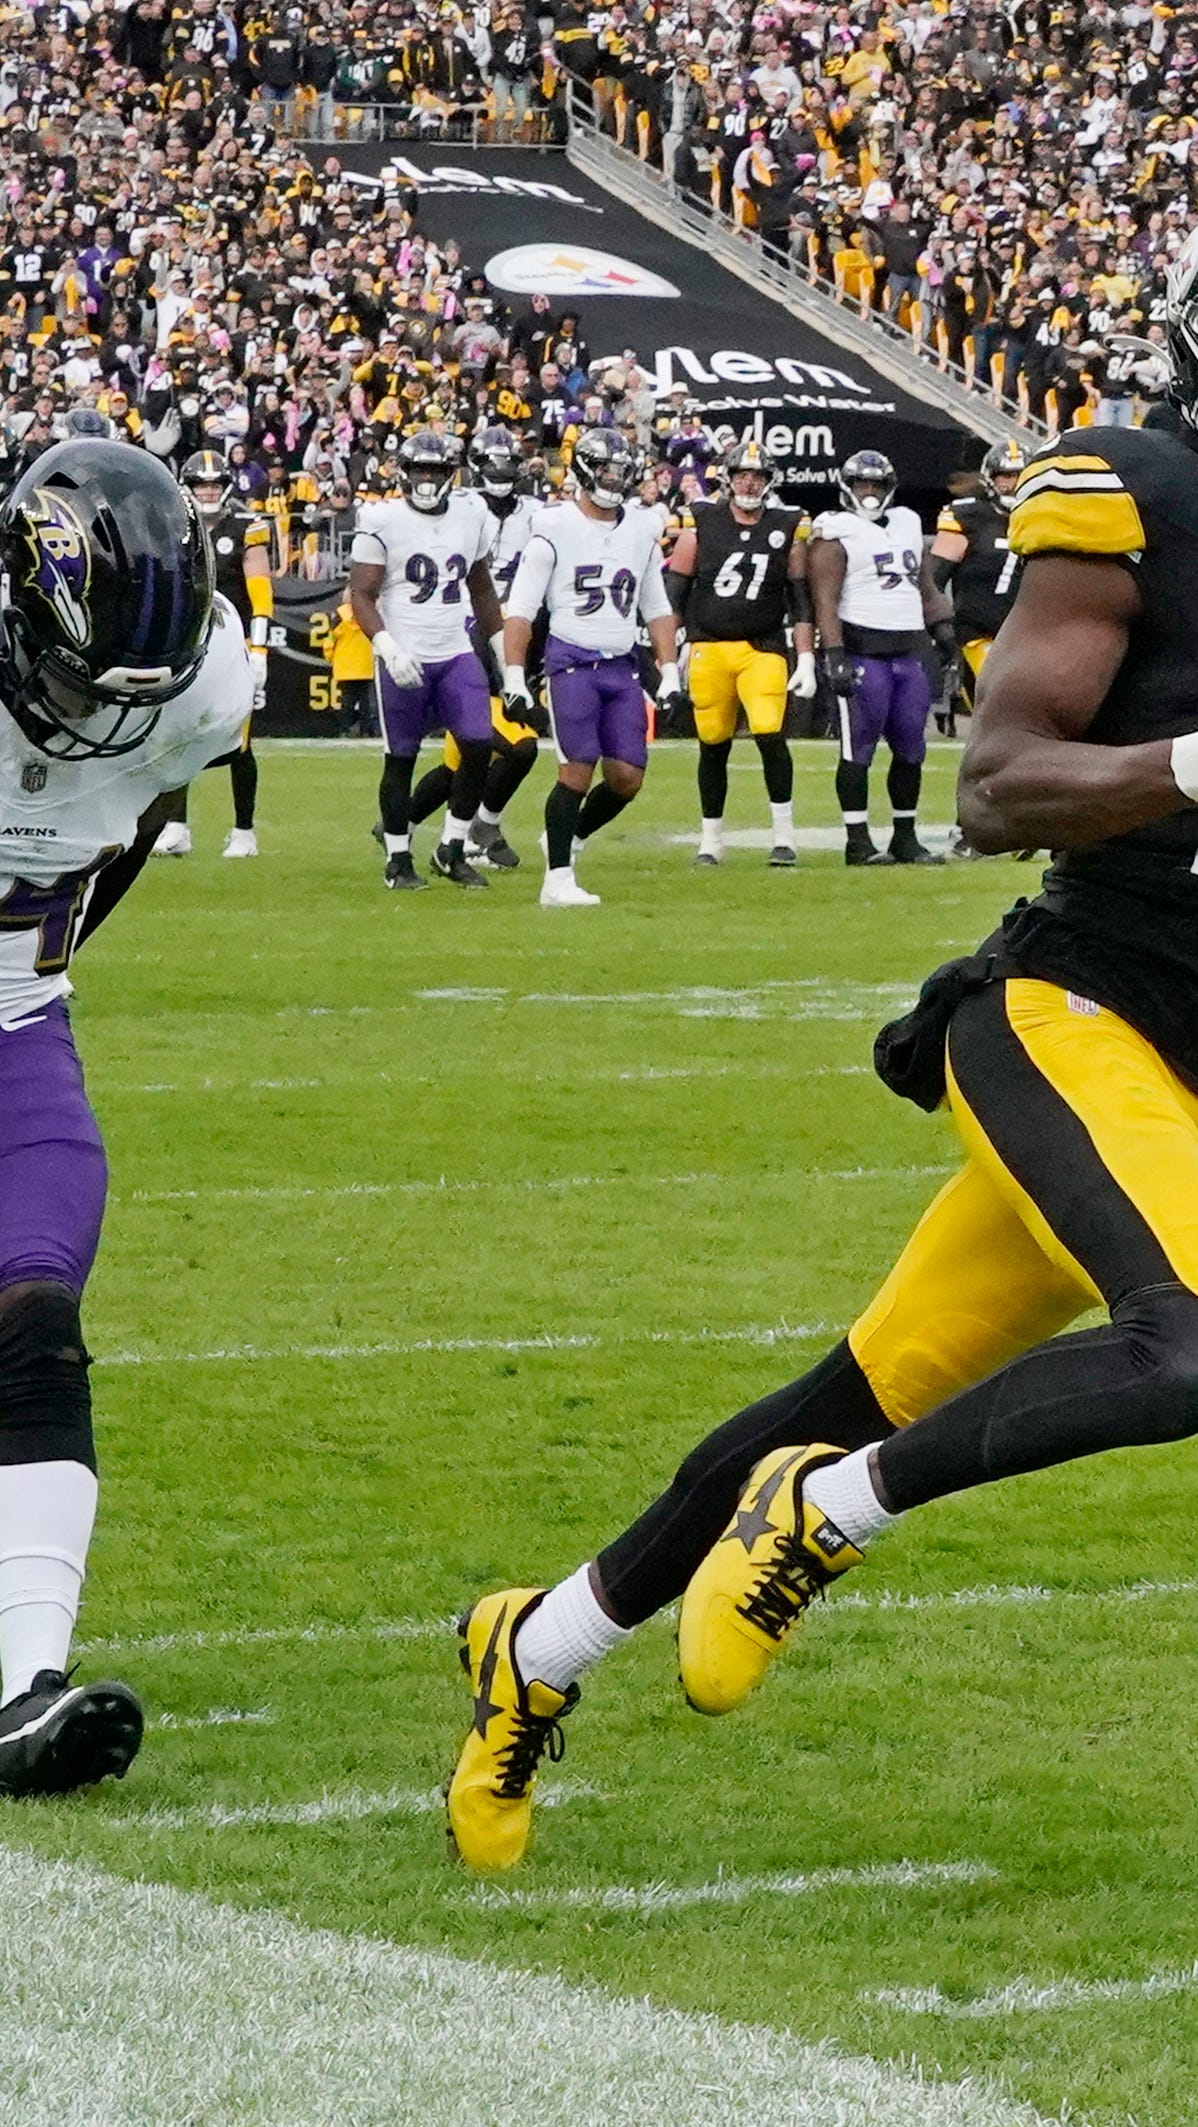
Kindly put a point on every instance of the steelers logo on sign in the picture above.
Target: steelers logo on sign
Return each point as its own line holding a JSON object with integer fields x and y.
{"x": 224, "y": 546}
{"x": 777, "y": 539}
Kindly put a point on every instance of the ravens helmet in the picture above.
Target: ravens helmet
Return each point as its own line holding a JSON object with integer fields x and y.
{"x": 1003, "y": 460}
{"x": 741, "y": 460}
{"x": 427, "y": 466}
{"x": 496, "y": 461}
{"x": 206, "y": 474}
{"x": 867, "y": 483}
{"x": 604, "y": 466}
{"x": 106, "y": 603}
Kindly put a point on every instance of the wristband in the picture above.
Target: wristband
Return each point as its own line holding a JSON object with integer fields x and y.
{"x": 670, "y": 682}
{"x": 383, "y": 645}
{"x": 1183, "y": 765}
{"x": 259, "y": 632}
{"x": 514, "y": 680}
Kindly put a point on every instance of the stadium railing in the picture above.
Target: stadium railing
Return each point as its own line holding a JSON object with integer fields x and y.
{"x": 473, "y": 127}
{"x": 879, "y": 340}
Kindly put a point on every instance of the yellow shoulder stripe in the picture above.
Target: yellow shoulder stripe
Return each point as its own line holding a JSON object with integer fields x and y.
{"x": 947, "y": 521}
{"x": 256, "y": 535}
{"x": 1076, "y": 520}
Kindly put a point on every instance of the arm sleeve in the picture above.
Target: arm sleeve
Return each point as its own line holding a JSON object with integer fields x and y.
{"x": 678, "y": 591}
{"x": 798, "y": 600}
{"x": 652, "y": 599}
{"x": 531, "y": 580}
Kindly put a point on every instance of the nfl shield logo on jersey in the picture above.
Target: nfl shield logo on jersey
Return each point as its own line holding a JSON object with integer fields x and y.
{"x": 33, "y": 777}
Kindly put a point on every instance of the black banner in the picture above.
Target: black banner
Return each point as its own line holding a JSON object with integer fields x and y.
{"x": 301, "y": 695}
{"x": 531, "y": 222}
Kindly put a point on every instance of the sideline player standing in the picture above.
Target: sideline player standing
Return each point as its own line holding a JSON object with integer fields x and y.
{"x": 597, "y": 566}
{"x": 241, "y": 549}
{"x": 972, "y": 554}
{"x": 1068, "y": 1047}
{"x": 417, "y": 569}
{"x": 734, "y": 581}
{"x": 120, "y": 678}
{"x": 872, "y": 587}
{"x": 498, "y": 466}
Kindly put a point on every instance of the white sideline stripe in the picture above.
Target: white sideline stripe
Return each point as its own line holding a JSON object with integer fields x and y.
{"x": 217, "y": 1717}
{"x": 1025, "y": 1997}
{"x": 346, "y": 1806}
{"x": 136, "y": 2005}
{"x": 433, "y": 1628}
{"x": 551, "y": 1185}
{"x": 755, "y": 1333}
{"x": 652, "y": 1898}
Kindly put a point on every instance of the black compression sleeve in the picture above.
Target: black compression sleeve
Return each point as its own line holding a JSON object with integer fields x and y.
{"x": 678, "y": 591}
{"x": 798, "y": 600}
{"x": 943, "y": 571}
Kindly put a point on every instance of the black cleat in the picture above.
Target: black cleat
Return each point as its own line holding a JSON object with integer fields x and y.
{"x": 707, "y": 860}
{"x": 449, "y": 862}
{"x": 860, "y": 849}
{"x": 781, "y": 857}
{"x": 907, "y": 849}
{"x": 401, "y": 872}
{"x": 488, "y": 846}
{"x": 59, "y": 1736}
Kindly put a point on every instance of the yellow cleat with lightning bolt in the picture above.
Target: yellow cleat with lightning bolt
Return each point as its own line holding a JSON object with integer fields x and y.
{"x": 776, "y": 1555}
{"x": 515, "y": 1724}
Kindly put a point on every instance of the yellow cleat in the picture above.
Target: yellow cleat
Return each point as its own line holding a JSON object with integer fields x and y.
{"x": 515, "y": 1722}
{"x": 776, "y": 1555}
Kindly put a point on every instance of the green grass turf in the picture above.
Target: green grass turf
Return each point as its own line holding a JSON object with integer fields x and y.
{"x": 1053, "y": 1742}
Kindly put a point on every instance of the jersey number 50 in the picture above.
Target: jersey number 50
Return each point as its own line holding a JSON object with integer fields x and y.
{"x": 590, "y": 592}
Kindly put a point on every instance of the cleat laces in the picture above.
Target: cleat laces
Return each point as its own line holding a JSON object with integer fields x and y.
{"x": 534, "y": 1736}
{"x": 789, "y": 1582}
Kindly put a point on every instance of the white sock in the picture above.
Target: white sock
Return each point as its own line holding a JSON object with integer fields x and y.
{"x": 844, "y": 1491}
{"x": 711, "y": 838}
{"x": 46, "y": 1515}
{"x": 782, "y": 824}
{"x": 454, "y": 830}
{"x": 904, "y": 819}
{"x": 397, "y": 845}
{"x": 855, "y": 819}
{"x": 489, "y": 819}
{"x": 566, "y": 1633}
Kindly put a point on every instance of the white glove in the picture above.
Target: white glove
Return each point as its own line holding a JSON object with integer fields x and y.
{"x": 404, "y": 670}
{"x": 258, "y": 676}
{"x": 670, "y": 682}
{"x": 802, "y": 679}
{"x": 516, "y": 689}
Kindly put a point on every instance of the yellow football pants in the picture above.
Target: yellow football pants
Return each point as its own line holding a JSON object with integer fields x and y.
{"x": 973, "y": 657}
{"x": 726, "y": 677}
{"x": 502, "y": 726}
{"x": 1080, "y": 1187}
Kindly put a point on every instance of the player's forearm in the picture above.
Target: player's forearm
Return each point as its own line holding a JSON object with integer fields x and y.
{"x": 487, "y": 611}
{"x": 663, "y": 640}
{"x": 517, "y": 635}
{"x": 365, "y": 611}
{"x": 1020, "y": 791}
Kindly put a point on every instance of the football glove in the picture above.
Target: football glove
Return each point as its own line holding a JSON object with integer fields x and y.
{"x": 671, "y": 700}
{"x": 802, "y": 679}
{"x": 518, "y": 704}
{"x": 404, "y": 670}
{"x": 840, "y": 671}
{"x": 944, "y": 641}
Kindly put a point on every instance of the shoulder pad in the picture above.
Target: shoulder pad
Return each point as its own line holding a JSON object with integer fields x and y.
{"x": 949, "y": 519}
{"x": 1073, "y": 501}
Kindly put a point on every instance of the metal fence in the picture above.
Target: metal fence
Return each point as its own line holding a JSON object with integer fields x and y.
{"x": 343, "y": 120}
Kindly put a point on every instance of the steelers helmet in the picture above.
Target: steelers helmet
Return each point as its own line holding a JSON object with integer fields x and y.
{"x": 207, "y": 469}
{"x": 867, "y": 469}
{"x": 426, "y": 468}
{"x": 604, "y": 466}
{"x": 107, "y": 598}
{"x": 496, "y": 461}
{"x": 748, "y": 457}
{"x": 1009, "y": 457}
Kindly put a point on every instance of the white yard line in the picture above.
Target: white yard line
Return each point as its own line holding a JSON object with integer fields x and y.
{"x": 1027, "y": 1997}
{"x": 535, "y": 1185}
{"x": 435, "y": 1628}
{"x": 388, "y": 1348}
{"x": 135, "y": 2005}
{"x": 217, "y": 1717}
{"x": 340, "y": 1806}
{"x": 650, "y": 1898}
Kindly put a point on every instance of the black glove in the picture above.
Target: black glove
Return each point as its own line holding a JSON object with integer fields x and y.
{"x": 526, "y": 709}
{"x": 840, "y": 671}
{"x": 944, "y": 641}
{"x": 672, "y": 711}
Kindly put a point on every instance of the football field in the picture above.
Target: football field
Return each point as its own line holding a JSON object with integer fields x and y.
{"x": 441, "y": 1226}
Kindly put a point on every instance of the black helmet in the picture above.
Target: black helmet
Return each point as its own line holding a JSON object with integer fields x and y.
{"x": 207, "y": 469}
{"x": 496, "y": 461}
{"x": 427, "y": 467}
{"x": 107, "y": 600}
{"x": 1008, "y": 457}
{"x": 605, "y": 466}
{"x": 748, "y": 457}
{"x": 866, "y": 468}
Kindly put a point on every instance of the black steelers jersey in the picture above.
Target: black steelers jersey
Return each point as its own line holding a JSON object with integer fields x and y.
{"x": 235, "y": 533}
{"x": 984, "y": 579}
{"x": 1117, "y": 921}
{"x": 738, "y": 588}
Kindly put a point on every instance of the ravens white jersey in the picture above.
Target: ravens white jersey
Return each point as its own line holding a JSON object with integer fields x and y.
{"x": 883, "y": 557}
{"x": 61, "y": 821}
{"x": 598, "y": 579}
{"x": 427, "y": 556}
{"x": 509, "y": 539}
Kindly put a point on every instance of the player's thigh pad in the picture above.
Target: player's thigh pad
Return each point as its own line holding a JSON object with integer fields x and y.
{"x": 763, "y": 691}
{"x": 970, "y": 1291}
{"x": 451, "y": 753}
{"x": 45, "y": 1396}
{"x": 1085, "y": 1131}
{"x": 715, "y": 696}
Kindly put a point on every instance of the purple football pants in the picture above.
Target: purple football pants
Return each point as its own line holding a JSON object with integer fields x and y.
{"x": 53, "y": 1173}
{"x": 453, "y": 693}
{"x": 597, "y": 705}
{"x": 892, "y": 701}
